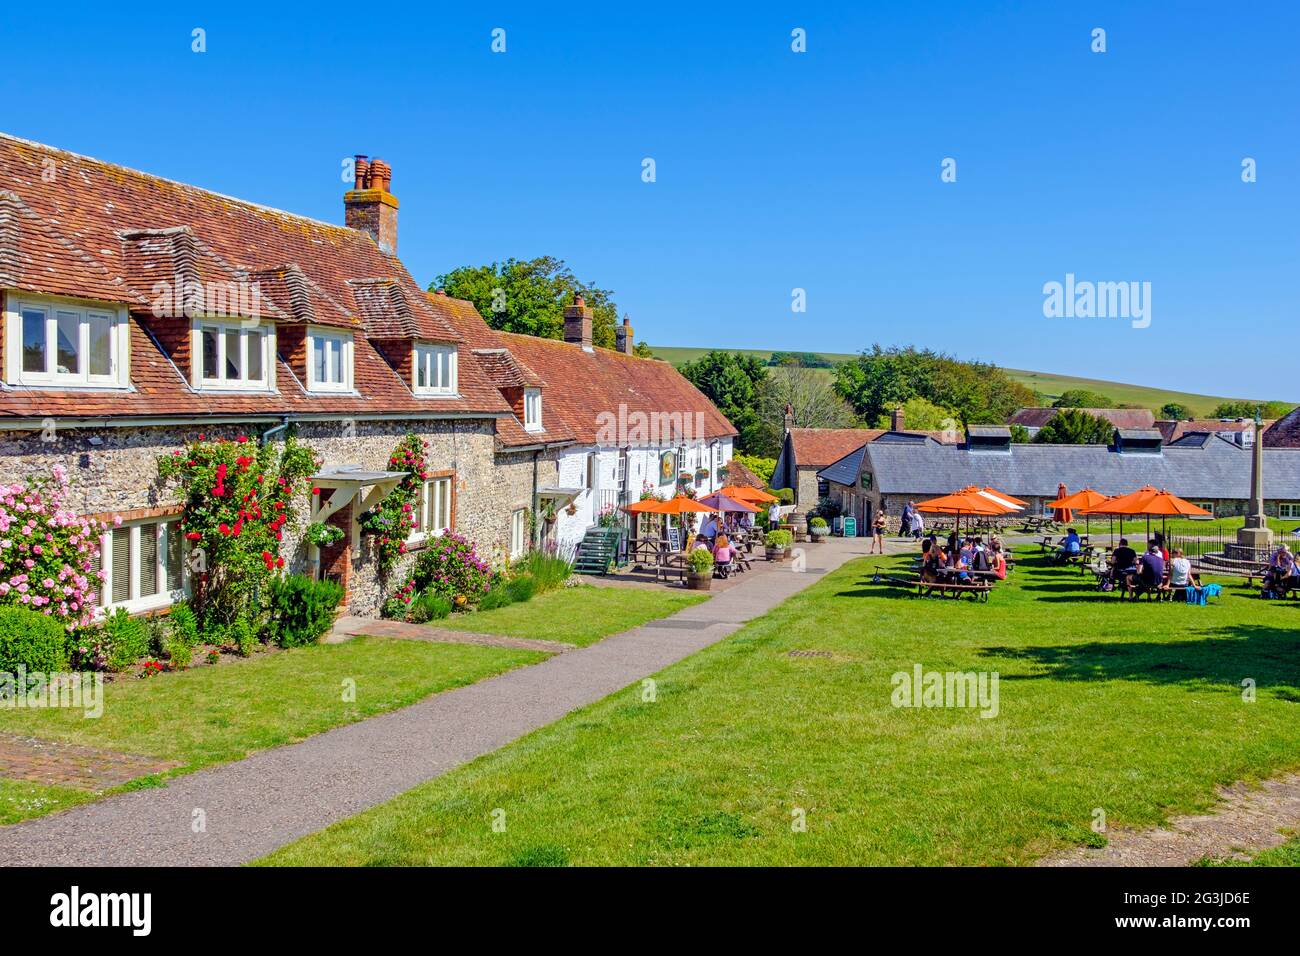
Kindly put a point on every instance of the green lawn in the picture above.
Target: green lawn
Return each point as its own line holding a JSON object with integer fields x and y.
{"x": 579, "y": 615}
{"x": 1288, "y": 854}
{"x": 20, "y": 800}
{"x": 1051, "y": 385}
{"x": 212, "y": 714}
{"x": 1133, "y": 708}
{"x": 1135, "y": 528}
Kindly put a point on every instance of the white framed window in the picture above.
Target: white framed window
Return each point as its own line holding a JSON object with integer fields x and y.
{"x": 1288, "y": 510}
{"x": 232, "y": 355}
{"x": 435, "y": 369}
{"x": 532, "y": 409}
{"x": 433, "y": 508}
{"x": 620, "y": 470}
{"x": 329, "y": 361}
{"x": 67, "y": 343}
{"x": 142, "y": 564}
{"x": 1207, "y": 505}
{"x": 518, "y": 532}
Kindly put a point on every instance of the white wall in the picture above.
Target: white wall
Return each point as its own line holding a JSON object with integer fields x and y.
{"x": 642, "y": 466}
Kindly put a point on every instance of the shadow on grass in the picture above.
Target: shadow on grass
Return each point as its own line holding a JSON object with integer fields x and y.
{"x": 1267, "y": 655}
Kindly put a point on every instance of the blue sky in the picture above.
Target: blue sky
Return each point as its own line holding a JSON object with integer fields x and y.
{"x": 775, "y": 170}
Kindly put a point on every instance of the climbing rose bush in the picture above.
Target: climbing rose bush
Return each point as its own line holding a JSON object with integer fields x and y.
{"x": 391, "y": 522}
{"x": 47, "y": 550}
{"x": 237, "y": 500}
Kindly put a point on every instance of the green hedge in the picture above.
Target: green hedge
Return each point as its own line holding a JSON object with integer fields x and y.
{"x": 302, "y": 610}
{"x": 31, "y": 640}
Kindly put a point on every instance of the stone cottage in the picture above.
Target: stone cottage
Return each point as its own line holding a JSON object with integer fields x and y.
{"x": 139, "y": 312}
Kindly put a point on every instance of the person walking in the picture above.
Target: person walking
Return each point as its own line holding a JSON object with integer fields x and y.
{"x": 878, "y": 532}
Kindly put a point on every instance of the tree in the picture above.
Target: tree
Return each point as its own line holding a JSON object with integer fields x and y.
{"x": 1244, "y": 408}
{"x": 529, "y": 296}
{"x": 811, "y": 396}
{"x": 734, "y": 383}
{"x": 1174, "y": 411}
{"x": 1019, "y": 434}
{"x": 879, "y": 380}
{"x": 1074, "y": 426}
{"x": 806, "y": 359}
{"x": 920, "y": 414}
{"x": 761, "y": 467}
{"x": 1082, "y": 398}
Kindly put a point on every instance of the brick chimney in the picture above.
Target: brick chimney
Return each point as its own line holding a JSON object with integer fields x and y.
{"x": 371, "y": 206}
{"x": 623, "y": 337}
{"x": 789, "y": 418}
{"x": 896, "y": 420}
{"x": 577, "y": 324}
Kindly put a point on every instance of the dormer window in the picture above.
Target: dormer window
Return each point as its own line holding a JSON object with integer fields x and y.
{"x": 233, "y": 355}
{"x": 65, "y": 343}
{"x": 329, "y": 363}
{"x": 532, "y": 409}
{"x": 435, "y": 369}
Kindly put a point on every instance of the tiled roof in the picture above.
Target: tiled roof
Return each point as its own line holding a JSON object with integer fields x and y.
{"x": 1119, "y": 417}
{"x": 1285, "y": 432}
{"x": 82, "y": 228}
{"x": 584, "y": 384}
{"x": 739, "y": 474}
{"x": 1174, "y": 430}
{"x": 818, "y": 447}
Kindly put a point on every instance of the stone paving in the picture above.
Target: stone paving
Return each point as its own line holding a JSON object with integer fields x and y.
{"x": 71, "y": 765}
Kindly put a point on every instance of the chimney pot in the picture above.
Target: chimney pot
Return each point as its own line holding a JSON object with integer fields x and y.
{"x": 623, "y": 340}
{"x": 370, "y": 207}
{"x": 577, "y": 323}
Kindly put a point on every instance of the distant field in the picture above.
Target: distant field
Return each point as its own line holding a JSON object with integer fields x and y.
{"x": 1050, "y": 385}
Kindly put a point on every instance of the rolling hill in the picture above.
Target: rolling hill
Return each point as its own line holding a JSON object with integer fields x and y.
{"x": 1050, "y": 385}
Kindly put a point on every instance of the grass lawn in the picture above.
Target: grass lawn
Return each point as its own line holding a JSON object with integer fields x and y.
{"x": 20, "y": 800}
{"x": 1133, "y": 708}
{"x": 580, "y": 615}
{"x": 212, "y": 714}
{"x": 1288, "y": 854}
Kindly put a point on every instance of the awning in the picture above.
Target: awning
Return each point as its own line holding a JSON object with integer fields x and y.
{"x": 347, "y": 482}
{"x": 563, "y": 495}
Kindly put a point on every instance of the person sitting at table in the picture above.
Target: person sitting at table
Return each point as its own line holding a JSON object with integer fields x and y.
{"x": 1281, "y": 566}
{"x": 1070, "y": 545}
{"x": 722, "y": 555}
{"x": 1181, "y": 574}
{"x": 709, "y": 526}
{"x": 1159, "y": 540}
{"x": 1123, "y": 562}
{"x": 1151, "y": 568}
{"x": 998, "y": 558}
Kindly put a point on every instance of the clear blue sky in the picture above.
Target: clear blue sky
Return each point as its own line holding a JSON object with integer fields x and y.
{"x": 775, "y": 170}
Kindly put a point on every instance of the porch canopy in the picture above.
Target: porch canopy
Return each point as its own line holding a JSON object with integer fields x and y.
{"x": 348, "y": 482}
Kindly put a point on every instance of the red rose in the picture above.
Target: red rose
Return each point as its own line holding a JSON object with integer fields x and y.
{"x": 194, "y": 536}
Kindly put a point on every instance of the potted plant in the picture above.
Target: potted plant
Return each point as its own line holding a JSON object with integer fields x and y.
{"x": 548, "y": 512}
{"x": 699, "y": 577}
{"x": 321, "y": 534}
{"x": 818, "y": 529}
{"x": 778, "y": 544}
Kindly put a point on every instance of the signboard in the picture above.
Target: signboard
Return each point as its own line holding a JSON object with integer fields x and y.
{"x": 866, "y": 480}
{"x": 667, "y": 468}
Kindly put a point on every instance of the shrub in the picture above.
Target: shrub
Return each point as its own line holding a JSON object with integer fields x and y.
{"x": 429, "y": 606}
{"x": 244, "y": 636}
{"x": 157, "y": 631}
{"x": 31, "y": 640}
{"x": 498, "y": 596}
{"x": 700, "y": 560}
{"x": 179, "y": 652}
{"x": 828, "y": 508}
{"x": 237, "y": 498}
{"x": 548, "y": 571}
{"x": 185, "y": 626}
{"x": 521, "y": 588}
{"x": 46, "y": 551}
{"x": 89, "y": 649}
{"x": 301, "y": 610}
{"x": 779, "y": 539}
{"x": 128, "y": 639}
{"x": 818, "y": 523}
{"x": 786, "y": 495}
{"x": 391, "y": 520}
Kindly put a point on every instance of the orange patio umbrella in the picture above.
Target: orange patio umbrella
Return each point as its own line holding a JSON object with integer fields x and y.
{"x": 1006, "y": 497}
{"x": 646, "y": 506}
{"x": 745, "y": 493}
{"x": 966, "y": 501}
{"x": 1082, "y": 500}
{"x": 1059, "y": 514}
{"x": 1121, "y": 505}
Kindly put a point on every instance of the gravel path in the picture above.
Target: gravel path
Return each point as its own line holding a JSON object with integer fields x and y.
{"x": 1249, "y": 820}
{"x": 253, "y": 806}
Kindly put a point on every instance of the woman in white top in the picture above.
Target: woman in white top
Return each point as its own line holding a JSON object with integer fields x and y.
{"x": 1180, "y": 571}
